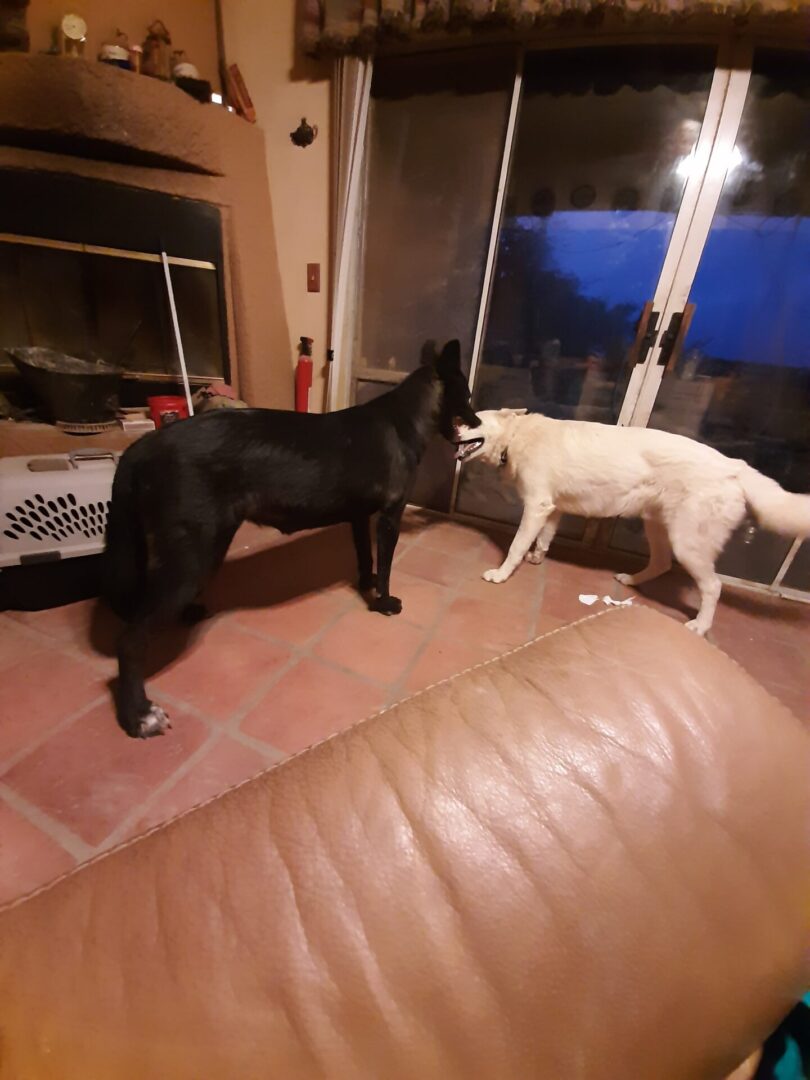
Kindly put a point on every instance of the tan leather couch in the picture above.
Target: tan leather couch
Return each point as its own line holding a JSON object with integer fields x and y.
{"x": 589, "y": 858}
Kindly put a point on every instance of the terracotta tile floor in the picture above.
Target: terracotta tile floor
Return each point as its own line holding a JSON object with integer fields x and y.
{"x": 290, "y": 656}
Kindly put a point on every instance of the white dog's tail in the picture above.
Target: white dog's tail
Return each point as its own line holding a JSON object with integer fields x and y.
{"x": 774, "y": 508}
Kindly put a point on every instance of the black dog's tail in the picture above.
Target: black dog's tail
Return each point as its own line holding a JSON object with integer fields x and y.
{"x": 124, "y": 567}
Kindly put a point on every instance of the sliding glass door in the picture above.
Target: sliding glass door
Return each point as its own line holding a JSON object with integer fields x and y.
{"x": 597, "y": 181}
{"x": 434, "y": 146}
{"x": 617, "y": 234}
{"x": 731, "y": 366}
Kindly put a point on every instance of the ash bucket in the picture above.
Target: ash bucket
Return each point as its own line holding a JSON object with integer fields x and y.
{"x": 70, "y": 390}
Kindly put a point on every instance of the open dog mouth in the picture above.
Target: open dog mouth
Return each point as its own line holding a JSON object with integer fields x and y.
{"x": 466, "y": 447}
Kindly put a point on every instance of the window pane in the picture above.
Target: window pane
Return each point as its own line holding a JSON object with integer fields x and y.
{"x": 798, "y": 575}
{"x": 437, "y": 125}
{"x": 742, "y": 381}
{"x": 599, "y": 168}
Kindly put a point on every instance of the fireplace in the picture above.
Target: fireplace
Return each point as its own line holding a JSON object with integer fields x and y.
{"x": 81, "y": 272}
{"x": 100, "y": 171}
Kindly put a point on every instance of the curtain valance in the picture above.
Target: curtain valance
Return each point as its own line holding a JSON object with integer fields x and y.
{"x": 363, "y": 25}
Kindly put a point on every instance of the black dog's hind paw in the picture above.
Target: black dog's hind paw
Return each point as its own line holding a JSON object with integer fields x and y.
{"x": 386, "y": 605}
{"x": 193, "y": 614}
{"x": 367, "y": 584}
{"x": 155, "y": 722}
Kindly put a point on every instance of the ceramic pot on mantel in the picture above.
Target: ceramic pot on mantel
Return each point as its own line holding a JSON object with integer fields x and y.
{"x": 157, "y": 55}
{"x": 116, "y": 53}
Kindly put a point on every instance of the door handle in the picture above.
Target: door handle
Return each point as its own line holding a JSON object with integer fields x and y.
{"x": 673, "y": 337}
{"x": 646, "y": 332}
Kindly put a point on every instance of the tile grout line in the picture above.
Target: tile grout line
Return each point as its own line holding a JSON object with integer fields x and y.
{"x": 216, "y": 733}
{"x": 307, "y": 649}
{"x": 232, "y": 725}
{"x": 267, "y": 749}
{"x": 57, "y": 643}
{"x": 454, "y": 593}
{"x": 184, "y": 767}
{"x": 304, "y": 650}
{"x": 220, "y": 729}
{"x": 13, "y": 759}
{"x": 397, "y": 688}
{"x": 53, "y": 828}
{"x": 42, "y": 818}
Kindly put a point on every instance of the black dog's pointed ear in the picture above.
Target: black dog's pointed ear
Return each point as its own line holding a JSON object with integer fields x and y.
{"x": 449, "y": 363}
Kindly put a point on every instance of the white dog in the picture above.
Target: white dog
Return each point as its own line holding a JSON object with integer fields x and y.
{"x": 690, "y": 496}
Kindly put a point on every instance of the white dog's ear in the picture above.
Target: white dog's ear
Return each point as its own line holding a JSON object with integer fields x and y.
{"x": 513, "y": 412}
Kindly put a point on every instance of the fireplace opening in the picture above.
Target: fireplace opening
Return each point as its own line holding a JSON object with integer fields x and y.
{"x": 81, "y": 272}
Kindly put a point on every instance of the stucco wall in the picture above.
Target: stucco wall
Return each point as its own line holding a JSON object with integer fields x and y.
{"x": 260, "y": 38}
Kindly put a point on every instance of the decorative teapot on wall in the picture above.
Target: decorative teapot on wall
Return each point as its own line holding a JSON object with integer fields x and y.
{"x": 304, "y": 134}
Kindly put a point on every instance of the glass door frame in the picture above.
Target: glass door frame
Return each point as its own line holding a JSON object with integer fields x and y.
{"x": 492, "y": 246}
{"x": 712, "y": 151}
{"x": 712, "y": 158}
{"x": 712, "y": 154}
{"x": 730, "y": 84}
{"x": 655, "y": 305}
{"x": 675, "y": 305}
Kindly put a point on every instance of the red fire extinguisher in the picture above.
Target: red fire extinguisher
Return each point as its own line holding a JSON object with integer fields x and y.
{"x": 303, "y": 375}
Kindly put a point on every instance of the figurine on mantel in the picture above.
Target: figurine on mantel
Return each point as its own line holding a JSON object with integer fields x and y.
{"x": 157, "y": 57}
{"x": 187, "y": 77}
{"x": 73, "y": 34}
{"x": 154, "y": 58}
{"x": 182, "y": 68}
{"x": 116, "y": 52}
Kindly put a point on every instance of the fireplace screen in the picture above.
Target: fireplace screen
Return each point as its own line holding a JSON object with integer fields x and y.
{"x": 80, "y": 272}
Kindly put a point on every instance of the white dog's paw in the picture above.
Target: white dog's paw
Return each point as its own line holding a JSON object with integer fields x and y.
{"x": 535, "y": 556}
{"x": 696, "y": 628}
{"x": 625, "y": 579}
{"x": 496, "y": 576}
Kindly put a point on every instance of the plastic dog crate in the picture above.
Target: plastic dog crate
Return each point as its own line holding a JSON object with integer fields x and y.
{"x": 54, "y": 506}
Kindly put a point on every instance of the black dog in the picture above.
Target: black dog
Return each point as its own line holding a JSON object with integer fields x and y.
{"x": 181, "y": 493}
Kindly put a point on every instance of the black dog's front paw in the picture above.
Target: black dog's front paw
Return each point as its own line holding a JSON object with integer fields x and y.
{"x": 367, "y": 584}
{"x": 386, "y": 605}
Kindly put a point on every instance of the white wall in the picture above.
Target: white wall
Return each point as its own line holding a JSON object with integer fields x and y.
{"x": 260, "y": 38}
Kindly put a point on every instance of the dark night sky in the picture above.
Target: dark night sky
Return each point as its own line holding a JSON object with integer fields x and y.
{"x": 752, "y": 288}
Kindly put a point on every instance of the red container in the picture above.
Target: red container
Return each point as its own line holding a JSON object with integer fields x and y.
{"x": 303, "y": 375}
{"x": 167, "y": 408}
{"x": 303, "y": 382}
